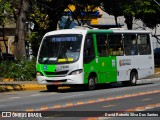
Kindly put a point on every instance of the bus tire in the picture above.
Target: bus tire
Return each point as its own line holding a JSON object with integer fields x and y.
{"x": 52, "y": 88}
{"x": 132, "y": 81}
{"x": 133, "y": 78}
{"x": 91, "y": 83}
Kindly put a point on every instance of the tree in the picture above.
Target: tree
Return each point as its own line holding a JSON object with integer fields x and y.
{"x": 113, "y": 7}
{"x": 119, "y": 8}
{"x": 5, "y": 11}
{"x": 21, "y": 19}
{"x": 45, "y": 14}
{"x": 145, "y": 10}
{"x": 17, "y": 9}
{"x": 148, "y": 11}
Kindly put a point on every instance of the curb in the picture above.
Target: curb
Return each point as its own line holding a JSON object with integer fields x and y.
{"x": 8, "y": 87}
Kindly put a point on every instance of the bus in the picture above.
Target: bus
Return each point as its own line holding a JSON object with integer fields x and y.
{"x": 89, "y": 57}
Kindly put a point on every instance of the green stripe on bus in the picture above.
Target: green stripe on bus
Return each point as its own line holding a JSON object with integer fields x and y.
{"x": 46, "y": 68}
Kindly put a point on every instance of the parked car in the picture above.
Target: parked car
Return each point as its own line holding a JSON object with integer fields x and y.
{"x": 157, "y": 56}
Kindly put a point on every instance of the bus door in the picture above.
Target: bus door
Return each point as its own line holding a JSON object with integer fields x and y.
{"x": 116, "y": 48}
{"x": 106, "y": 62}
{"x": 89, "y": 57}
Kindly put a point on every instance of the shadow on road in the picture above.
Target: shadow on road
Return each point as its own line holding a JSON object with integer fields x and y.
{"x": 99, "y": 87}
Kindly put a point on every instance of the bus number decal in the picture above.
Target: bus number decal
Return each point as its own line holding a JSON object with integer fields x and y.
{"x": 64, "y": 67}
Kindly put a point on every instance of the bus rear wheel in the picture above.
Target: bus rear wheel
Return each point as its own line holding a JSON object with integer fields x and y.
{"x": 52, "y": 88}
{"x": 132, "y": 81}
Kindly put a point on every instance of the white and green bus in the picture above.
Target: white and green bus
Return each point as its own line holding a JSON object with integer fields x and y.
{"x": 92, "y": 56}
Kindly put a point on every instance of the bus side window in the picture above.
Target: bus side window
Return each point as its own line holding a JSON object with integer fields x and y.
{"x": 89, "y": 52}
{"x": 130, "y": 44}
{"x": 115, "y": 44}
{"x": 144, "y": 45}
{"x": 102, "y": 45}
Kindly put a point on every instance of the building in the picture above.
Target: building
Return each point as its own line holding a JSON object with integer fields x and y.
{"x": 9, "y": 32}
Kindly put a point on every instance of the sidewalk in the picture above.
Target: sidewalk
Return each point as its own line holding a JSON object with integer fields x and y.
{"x": 6, "y": 85}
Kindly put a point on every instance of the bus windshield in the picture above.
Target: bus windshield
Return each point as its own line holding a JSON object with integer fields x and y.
{"x": 58, "y": 49}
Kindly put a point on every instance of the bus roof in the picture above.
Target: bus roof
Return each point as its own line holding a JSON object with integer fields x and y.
{"x": 117, "y": 31}
{"x": 67, "y": 31}
{"x": 84, "y": 31}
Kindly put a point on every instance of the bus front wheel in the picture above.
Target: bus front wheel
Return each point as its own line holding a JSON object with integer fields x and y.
{"x": 91, "y": 83}
{"x": 52, "y": 88}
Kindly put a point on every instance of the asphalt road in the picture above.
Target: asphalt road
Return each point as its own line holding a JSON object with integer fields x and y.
{"x": 104, "y": 103}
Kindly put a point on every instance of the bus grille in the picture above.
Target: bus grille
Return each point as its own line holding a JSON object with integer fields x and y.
{"x": 65, "y": 80}
{"x": 57, "y": 73}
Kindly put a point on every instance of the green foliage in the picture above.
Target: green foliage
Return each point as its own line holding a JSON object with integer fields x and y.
{"x": 39, "y": 17}
{"x": 19, "y": 70}
{"x": 144, "y": 10}
{"x": 35, "y": 39}
{"x": 148, "y": 11}
{"x": 5, "y": 11}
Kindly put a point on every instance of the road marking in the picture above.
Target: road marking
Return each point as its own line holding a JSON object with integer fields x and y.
{"x": 146, "y": 99}
{"x": 14, "y": 97}
{"x": 100, "y": 99}
{"x": 80, "y": 103}
{"x": 108, "y": 106}
{"x": 44, "y": 108}
{"x": 30, "y": 110}
{"x": 72, "y": 96}
{"x": 50, "y": 93}
{"x": 92, "y": 101}
{"x": 150, "y": 106}
{"x": 35, "y": 95}
{"x": 69, "y": 104}
{"x": 57, "y": 106}
{"x": 141, "y": 108}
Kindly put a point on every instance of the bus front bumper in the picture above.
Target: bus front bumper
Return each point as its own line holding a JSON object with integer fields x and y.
{"x": 65, "y": 80}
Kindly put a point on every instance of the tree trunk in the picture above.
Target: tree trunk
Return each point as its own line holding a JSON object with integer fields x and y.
{"x": 115, "y": 17}
{"x": 20, "y": 50}
{"x": 6, "y": 46}
{"x": 129, "y": 21}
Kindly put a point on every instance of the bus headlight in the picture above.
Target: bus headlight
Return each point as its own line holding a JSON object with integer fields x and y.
{"x": 39, "y": 74}
{"x": 76, "y": 72}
